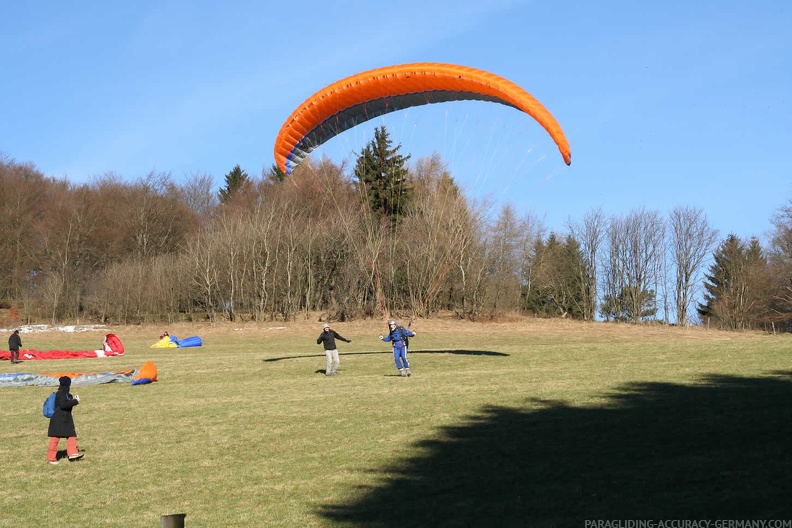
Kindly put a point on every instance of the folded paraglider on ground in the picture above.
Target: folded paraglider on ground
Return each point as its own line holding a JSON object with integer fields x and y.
{"x": 111, "y": 346}
{"x": 171, "y": 341}
{"x": 142, "y": 376}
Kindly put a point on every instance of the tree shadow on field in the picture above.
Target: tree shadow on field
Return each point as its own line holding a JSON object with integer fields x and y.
{"x": 389, "y": 352}
{"x": 717, "y": 449}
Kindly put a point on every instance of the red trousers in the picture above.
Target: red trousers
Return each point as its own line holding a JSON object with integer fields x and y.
{"x": 52, "y": 452}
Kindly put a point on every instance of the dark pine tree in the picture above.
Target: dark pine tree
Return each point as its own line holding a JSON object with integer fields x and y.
{"x": 236, "y": 181}
{"x": 736, "y": 289}
{"x": 382, "y": 176}
{"x": 276, "y": 175}
{"x": 723, "y": 272}
{"x": 557, "y": 284}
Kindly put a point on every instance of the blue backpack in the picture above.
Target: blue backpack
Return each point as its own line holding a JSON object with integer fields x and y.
{"x": 49, "y": 406}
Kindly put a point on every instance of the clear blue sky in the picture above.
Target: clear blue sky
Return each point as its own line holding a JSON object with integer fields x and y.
{"x": 664, "y": 103}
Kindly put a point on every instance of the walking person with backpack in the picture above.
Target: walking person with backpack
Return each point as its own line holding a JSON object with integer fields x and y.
{"x": 14, "y": 344}
{"x": 399, "y": 337}
{"x": 328, "y": 337}
{"x": 61, "y": 424}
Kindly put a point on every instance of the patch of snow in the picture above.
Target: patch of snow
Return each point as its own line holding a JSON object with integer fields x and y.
{"x": 268, "y": 328}
{"x": 30, "y": 329}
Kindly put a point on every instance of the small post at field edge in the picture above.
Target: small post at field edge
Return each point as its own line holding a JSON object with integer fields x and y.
{"x": 174, "y": 520}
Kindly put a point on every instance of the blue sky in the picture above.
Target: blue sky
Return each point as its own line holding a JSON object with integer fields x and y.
{"x": 664, "y": 103}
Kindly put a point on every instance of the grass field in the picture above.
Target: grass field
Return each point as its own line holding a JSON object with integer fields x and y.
{"x": 520, "y": 423}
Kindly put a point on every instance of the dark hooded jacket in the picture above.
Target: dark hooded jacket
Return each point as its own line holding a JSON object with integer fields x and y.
{"x": 62, "y": 424}
{"x": 328, "y": 339}
{"x": 14, "y": 342}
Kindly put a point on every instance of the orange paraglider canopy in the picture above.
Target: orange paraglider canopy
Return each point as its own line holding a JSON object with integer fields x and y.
{"x": 364, "y": 96}
{"x": 147, "y": 371}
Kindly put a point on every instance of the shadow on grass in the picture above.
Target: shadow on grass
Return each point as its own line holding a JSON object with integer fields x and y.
{"x": 717, "y": 449}
{"x": 390, "y": 352}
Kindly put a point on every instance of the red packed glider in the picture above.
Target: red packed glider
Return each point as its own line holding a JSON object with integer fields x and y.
{"x": 112, "y": 346}
{"x": 364, "y": 96}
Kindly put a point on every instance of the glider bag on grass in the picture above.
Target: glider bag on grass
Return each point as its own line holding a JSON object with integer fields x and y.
{"x": 174, "y": 342}
{"x": 165, "y": 342}
{"x": 146, "y": 374}
{"x": 111, "y": 347}
{"x": 192, "y": 341}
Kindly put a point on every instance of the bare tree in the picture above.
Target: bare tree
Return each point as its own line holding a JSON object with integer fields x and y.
{"x": 60, "y": 237}
{"x": 121, "y": 292}
{"x": 472, "y": 272}
{"x": 531, "y": 233}
{"x": 197, "y": 193}
{"x": 262, "y": 259}
{"x": 692, "y": 240}
{"x": 509, "y": 252}
{"x": 155, "y": 218}
{"x": 347, "y": 246}
{"x": 231, "y": 229}
{"x": 780, "y": 262}
{"x": 438, "y": 227}
{"x": 635, "y": 247}
{"x": 22, "y": 188}
{"x": 292, "y": 245}
{"x": 590, "y": 234}
{"x": 201, "y": 251}
{"x": 169, "y": 288}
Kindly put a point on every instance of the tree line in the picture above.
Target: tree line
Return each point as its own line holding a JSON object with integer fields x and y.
{"x": 385, "y": 237}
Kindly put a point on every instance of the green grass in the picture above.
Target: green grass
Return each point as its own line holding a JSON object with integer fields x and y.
{"x": 530, "y": 423}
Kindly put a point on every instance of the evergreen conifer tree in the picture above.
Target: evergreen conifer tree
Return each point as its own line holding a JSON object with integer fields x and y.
{"x": 382, "y": 176}
{"x": 236, "y": 180}
{"x": 735, "y": 284}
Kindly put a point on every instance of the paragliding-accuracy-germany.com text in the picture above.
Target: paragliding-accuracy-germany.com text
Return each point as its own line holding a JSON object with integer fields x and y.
{"x": 689, "y": 523}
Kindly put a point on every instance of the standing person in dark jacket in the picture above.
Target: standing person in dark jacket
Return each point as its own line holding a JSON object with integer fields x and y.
{"x": 398, "y": 335}
{"x": 62, "y": 424}
{"x": 328, "y": 337}
{"x": 14, "y": 344}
